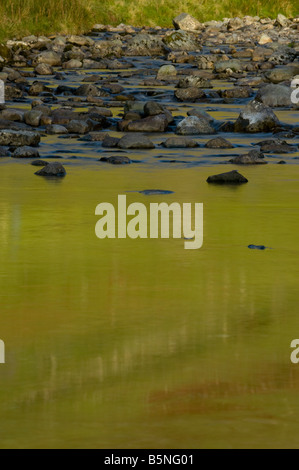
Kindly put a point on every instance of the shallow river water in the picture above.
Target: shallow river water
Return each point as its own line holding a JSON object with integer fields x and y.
{"x": 141, "y": 343}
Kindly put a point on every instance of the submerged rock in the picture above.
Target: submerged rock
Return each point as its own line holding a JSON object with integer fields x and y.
{"x": 155, "y": 192}
{"x": 52, "y": 169}
{"x": 39, "y": 163}
{"x": 230, "y": 177}
{"x": 116, "y": 160}
{"x": 257, "y": 247}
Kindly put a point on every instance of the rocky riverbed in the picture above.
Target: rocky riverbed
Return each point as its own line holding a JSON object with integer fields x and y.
{"x": 198, "y": 94}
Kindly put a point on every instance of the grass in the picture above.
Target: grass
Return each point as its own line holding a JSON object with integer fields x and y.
{"x": 23, "y": 17}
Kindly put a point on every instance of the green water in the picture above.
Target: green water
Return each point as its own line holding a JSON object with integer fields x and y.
{"x": 141, "y": 343}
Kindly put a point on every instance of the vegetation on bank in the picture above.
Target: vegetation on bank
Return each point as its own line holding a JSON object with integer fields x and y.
{"x": 22, "y": 17}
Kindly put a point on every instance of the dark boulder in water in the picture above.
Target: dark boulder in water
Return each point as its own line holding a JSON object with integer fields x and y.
{"x": 257, "y": 247}
{"x": 52, "y": 169}
{"x": 116, "y": 160}
{"x": 230, "y": 177}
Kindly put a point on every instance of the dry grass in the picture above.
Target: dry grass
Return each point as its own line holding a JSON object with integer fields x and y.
{"x": 23, "y": 17}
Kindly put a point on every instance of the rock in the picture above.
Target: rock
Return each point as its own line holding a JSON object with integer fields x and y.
{"x": 200, "y": 113}
{"x": 181, "y": 41}
{"x": 33, "y": 117}
{"x": 233, "y": 64}
{"x": 194, "y": 81}
{"x": 166, "y": 72}
{"x": 281, "y": 20}
{"x": 253, "y": 157}
{"x": 282, "y": 74}
{"x": 12, "y": 92}
{"x": 44, "y": 69}
{"x": 73, "y": 64}
{"x": 237, "y": 92}
{"x": 145, "y": 45}
{"x": 190, "y": 94}
{"x": 15, "y": 115}
{"x": 155, "y": 192}
{"x": 36, "y": 88}
{"x": 110, "y": 142}
{"x": 152, "y": 108}
{"x": 256, "y": 117}
{"x": 19, "y": 138}
{"x": 80, "y": 40}
{"x": 87, "y": 90}
{"x": 193, "y": 125}
{"x": 52, "y": 169}
{"x": 116, "y": 160}
{"x": 49, "y": 58}
{"x": 179, "y": 142}
{"x": 53, "y": 129}
{"x": 157, "y": 123}
{"x": 276, "y": 146}
{"x": 235, "y": 24}
{"x": 39, "y": 163}
{"x": 186, "y": 22}
{"x": 135, "y": 141}
{"x": 231, "y": 177}
{"x": 4, "y": 152}
{"x": 274, "y": 95}
{"x": 256, "y": 247}
{"x": 79, "y": 127}
{"x": 218, "y": 143}
{"x": 25, "y": 152}
{"x": 264, "y": 39}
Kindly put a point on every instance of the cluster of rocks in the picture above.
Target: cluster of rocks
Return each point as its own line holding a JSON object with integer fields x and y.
{"x": 72, "y": 86}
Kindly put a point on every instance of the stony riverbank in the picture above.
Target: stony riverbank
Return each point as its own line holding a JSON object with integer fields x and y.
{"x": 118, "y": 88}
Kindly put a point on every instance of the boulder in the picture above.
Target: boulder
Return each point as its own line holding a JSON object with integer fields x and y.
{"x": 233, "y": 64}
{"x": 157, "y": 123}
{"x": 193, "y": 125}
{"x": 190, "y": 94}
{"x": 52, "y": 169}
{"x": 274, "y": 95}
{"x": 116, "y": 160}
{"x": 276, "y": 146}
{"x": 256, "y": 117}
{"x": 25, "y": 152}
{"x": 135, "y": 141}
{"x": 179, "y": 142}
{"x": 281, "y": 74}
{"x": 44, "y": 69}
{"x": 186, "y": 22}
{"x": 218, "y": 143}
{"x": 19, "y": 138}
{"x": 181, "y": 41}
{"x": 230, "y": 177}
{"x": 253, "y": 157}
{"x": 49, "y": 58}
{"x": 166, "y": 72}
